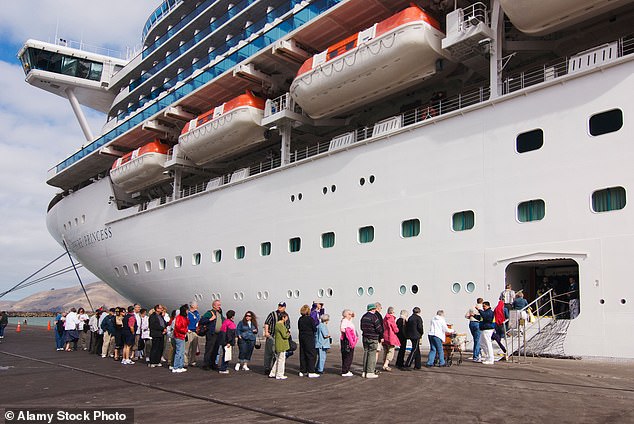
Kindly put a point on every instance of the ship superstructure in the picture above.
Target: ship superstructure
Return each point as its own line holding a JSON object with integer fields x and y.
{"x": 355, "y": 150}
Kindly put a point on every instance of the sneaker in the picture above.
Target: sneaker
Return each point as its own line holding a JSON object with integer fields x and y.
{"x": 175, "y": 370}
{"x": 281, "y": 378}
{"x": 245, "y": 368}
{"x": 371, "y": 375}
{"x": 363, "y": 375}
{"x": 237, "y": 367}
{"x": 171, "y": 368}
{"x": 223, "y": 372}
{"x": 271, "y": 375}
{"x": 313, "y": 375}
{"x": 301, "y": 374}
{"x": 159, "y": 365}
{"x": 103, "y": 356}
{"x": 193, "y": 364}
{"x": 348, "y": 374}
{"x": 182, "y": 370}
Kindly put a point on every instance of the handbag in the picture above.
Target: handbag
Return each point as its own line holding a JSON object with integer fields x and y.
{"x": 345, "y": 345}
{"x": 258, "y": 343}
{"x": 228, "y": 353}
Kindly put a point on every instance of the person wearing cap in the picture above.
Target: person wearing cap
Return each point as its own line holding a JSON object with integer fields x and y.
{"x": 108, "y": 327}
{"x": 269, "y": 327}
{"x": 372, "y": 330}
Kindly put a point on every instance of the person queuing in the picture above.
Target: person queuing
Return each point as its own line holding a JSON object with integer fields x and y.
{"x": 487, "y": 327}
{"x": 414, "y": 333}
{"x": 282, "y": 335}
{"x": 226, "y": 341}
{"x": 348, "y": 341}
{"x": 178, "y": 336}
{"x": 372, "y": 331}
{"x": 473, "y": 315}
{"x": 158, "y": 329}
{"x": 322, "y": 343}
{"x": 71, "y": 334}
{"x": 437, "y": 330}
{"x": 4, "y": 321}
{"x": 269, "y": 326}
{"x": 307, "y": 352}
{"x": 247, "y": 331}
{"x": 401, "y": 324}
{"x": 191, "y": 342}
{"x": 390, "y": 338}
{"x": 212, "y": 322}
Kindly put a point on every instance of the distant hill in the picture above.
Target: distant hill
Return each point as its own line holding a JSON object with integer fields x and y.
{"x": 100, "y": 294}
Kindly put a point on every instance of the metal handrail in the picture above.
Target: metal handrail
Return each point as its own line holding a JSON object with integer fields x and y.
{"x": 544, "y": 300}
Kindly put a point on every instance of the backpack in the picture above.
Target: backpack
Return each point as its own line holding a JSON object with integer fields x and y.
{"x": 201, "y": 330}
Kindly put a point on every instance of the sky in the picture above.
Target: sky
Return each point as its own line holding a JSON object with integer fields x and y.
{"x": 39, "y": 129}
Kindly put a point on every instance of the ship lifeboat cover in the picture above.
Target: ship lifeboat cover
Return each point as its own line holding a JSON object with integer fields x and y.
{"x": 140, "y": 168}
{"x": 540, "y": 17}
{"x": 224, "y": 131}
{"x": 391, "y": 55}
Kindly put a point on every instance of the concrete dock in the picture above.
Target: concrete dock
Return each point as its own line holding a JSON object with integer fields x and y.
{"x": 539, "y": 390}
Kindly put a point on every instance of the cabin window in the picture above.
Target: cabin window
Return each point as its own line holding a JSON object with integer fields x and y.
{"x": 240, "y": 252}
{"x": 366, "y": 234}
{"x": 530, "y": 140}
{"x": 265, "y": 248}
{"x": 216, "y": 256}
{"x": 470, "y": 287}
{"x": 162, "y": 263}
{"x": 148, "y": 266}
{"x": 532, "y": 210}
{"x": 116, "y": 272}
{"x": 294, "y": 244}
{"x": 327, "y": 240}
{"x": 606, "y": 122}
{"x": 196, "y": 257}
{"x": 410, "y": 228}
{"x": 135, "y": 268}
{"x": 125, "y": 270}
{"x": 456, "y": 287}
{"x": 463, "y": 221}
{"x": 178, "y": 261}
{"x": 608, "y": 199}
{"x": 402, "y": 289}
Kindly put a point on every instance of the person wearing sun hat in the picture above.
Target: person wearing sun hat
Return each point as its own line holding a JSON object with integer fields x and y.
{"x": 372, "y": 330}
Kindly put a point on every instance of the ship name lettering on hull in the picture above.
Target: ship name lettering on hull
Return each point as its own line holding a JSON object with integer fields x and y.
{"x": 90, "y": 238}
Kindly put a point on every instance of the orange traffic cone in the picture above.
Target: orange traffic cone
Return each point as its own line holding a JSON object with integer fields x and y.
{"x": 48, "y": 327}
{"x": 18, "y": 329}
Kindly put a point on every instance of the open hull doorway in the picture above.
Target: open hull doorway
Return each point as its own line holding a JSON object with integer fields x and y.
{"x": 533, "y": 278}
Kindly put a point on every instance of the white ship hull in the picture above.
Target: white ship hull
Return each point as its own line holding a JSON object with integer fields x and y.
{"x": 459, "y": 161}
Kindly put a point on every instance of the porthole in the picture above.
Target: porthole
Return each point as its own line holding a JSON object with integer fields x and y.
{"x": 362, "y": 181}
{"x": 329, "y": 292}
{"x": 623, "y": 301}
{"x": 414, "y": 289}
{"x": 218, "y": 296}
{"x": 241, "y": 296}
{"x": 320, "y": 293}
{"x": 602, "y": 301}
{"x": 64, "y": 226}
{"x": 470, "y": 287}
{"x": 125, "y": 270}
{"x": 333, "y": 188}
{"x": 360, "y": 291}
{"x": 116, "y": 272}
{"x": 135, "y": 268}
{"x": 76, "y": 221}
{"x": 402, "y": 289}
{"x": 289, "y": 293}
{"x": 299, "y": 196}
{"x": 259, "y": 295}
{"x": 324, "y": 190}
{"x": 162, "y": 263}
{"x": 178, "y": 261}
{"x": 213, "y": 296}
{"x": 83, "y": 219}
{"x": 292, "y": 197}
{"x": 235, "y": 296}
{"x": 370, "y": 291}
{"x": 216, "y": 256}
{"x": 372, "y": 179}
{"x": 196, "y": 257}
{"x": 296, "y": 293}
{"x": 455, "y": 287}
{"x": 265, "y": 295}
{"x": 148, "y": 266}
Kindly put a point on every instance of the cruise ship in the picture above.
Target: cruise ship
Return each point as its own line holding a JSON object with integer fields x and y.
{"x": 420, "y": 153}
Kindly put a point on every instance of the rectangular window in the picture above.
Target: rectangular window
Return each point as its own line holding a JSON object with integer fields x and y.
{"x": 240, "y": 252}
{"x": 135, "y": 268}
{"x": 148, "y": 266}
{"x": 265, "y": 248}
{"x": 162, "y": 262}
{"x": 178, "y": 261}
{"x": 532, "y": 210}
{"x": 196, "y": 259}
{"x": 463, "y": 221}
{"x": 327, "y": 240}
{"x": 530, "y": 140}
{"x": 366, "y": 234}
{"x": 410, "y": 228}
{"x": 608, "y": 199}
{"x": 216, "y": 256}
{"x": 606, "y": 122}
{"x": 294, "y": 244}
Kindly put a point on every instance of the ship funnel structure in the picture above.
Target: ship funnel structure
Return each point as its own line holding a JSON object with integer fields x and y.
{"x": 80, "y": 76}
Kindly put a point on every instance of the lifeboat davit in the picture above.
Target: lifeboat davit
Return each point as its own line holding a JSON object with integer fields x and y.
{"x": 140, "y": 168}
{"x": 225, "y": 130}
{"x": 539, "y": 17}
{"x": 391, "y": 55}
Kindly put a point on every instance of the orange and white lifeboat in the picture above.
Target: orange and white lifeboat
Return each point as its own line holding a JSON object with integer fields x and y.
{"x": 140, "y": 168}
{"x": 540, "y": 17}
{"x": 389, "y": 56}
{"x": 225, "y": 130}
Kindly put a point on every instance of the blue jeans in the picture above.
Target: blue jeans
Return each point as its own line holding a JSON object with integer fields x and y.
{"x": 59, "y": 340}
{"x": 321, "y": 361}
{"x": 2, "y": 326}
{"x": 474, "y": 327}
{"x": 179, "y": 353}
{"x": 435, "y": 345}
